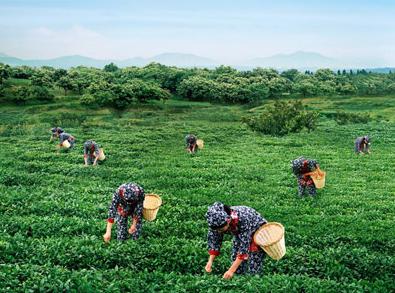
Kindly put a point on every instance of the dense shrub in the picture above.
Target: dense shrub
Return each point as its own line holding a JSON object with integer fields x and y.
{"x": 224, "y": 89}
{"x": 342, "y": 117}
{"x": 41, "y": 93}
{"x": 19, "y": 94}
{"x": 282, "y": 118}
{"x": 120, "y": 96}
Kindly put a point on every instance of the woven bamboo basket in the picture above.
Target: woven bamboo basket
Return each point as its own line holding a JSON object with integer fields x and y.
{"x": 270, "y": 237}
{"x": 318, "y": 177}
{"x": 200, "y": 143}
{"x": 66, "y": 144}
{"x": 102, "y": 156}
{"x": 151, "y": 205}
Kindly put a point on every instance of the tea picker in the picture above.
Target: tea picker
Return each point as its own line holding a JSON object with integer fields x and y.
{"x": 127, "y": 202}
{"x": 308, "y": 174}
{"x": 192, "y": 143}
{"x": 242, "y": 222}
{"x": 56, "y": 131}
{"x": 92, "y": 153}
{"x": 66, "y": 140}
{"x": 361, "y": 145}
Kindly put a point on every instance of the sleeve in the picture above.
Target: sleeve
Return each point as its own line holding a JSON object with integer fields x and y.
{"x": 62, "y": 138}
{"x": 112, "y": 211}
{"x": 244, "y": 247}
{"x": 138, "y": 211}
{"x": 357, "y": 145}
{"x": 96, "y": 149}
{"x": 86, "y": 149}
{"x": 295, "y": 167}
{"x": 312, "y": 164}
{"x": 214, "y": 242}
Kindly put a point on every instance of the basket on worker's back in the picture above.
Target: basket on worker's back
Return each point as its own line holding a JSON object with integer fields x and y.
{"x": 200, "y": 143}
{"x": 151, "y": 205}
{"x": 270, "y": 237}
{"x": 102, "y": 156}
{"x": 318, "y": 177}
{"x": 66, "y": 144}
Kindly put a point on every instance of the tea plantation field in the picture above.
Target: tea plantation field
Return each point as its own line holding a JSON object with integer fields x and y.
{"x": 53, "y": 209}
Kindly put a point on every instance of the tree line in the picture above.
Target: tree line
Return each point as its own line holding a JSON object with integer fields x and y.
{"x": 121, "y": 87}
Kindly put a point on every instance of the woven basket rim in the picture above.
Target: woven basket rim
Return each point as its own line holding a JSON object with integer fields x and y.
{"x": 270, "y": 224}
{"x": 156, "y": 196}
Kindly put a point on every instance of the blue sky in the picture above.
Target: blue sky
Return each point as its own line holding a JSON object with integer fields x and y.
{"x": 228, "y": 31}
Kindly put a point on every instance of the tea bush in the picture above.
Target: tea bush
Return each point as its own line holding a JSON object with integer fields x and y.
{"x": 282, "y": 118}
{"x": 53, "y": 210}
{"x": 342, "y": 117}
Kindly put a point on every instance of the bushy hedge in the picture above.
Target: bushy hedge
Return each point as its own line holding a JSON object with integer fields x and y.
{"x": 120, "y": 96}
{"x": 282, "y": 118}
{"x": 22, "y": 94}
{"x": 342, "y": 117}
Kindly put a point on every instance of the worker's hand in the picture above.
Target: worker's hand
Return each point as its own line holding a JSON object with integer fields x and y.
{"x": 208, "y": 267}
{"x": 132, "y": 229}
{"x": 107, "y": 237}
{"x": 228, "y": 275}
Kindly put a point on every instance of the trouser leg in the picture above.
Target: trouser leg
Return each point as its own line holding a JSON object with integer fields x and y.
{"x": 137, "y": 234}
{"x": 242, "y": 269}
{"x": 122, "y": 227}
{"x": 255, "y": 261}
{"x": 312, "y": 190}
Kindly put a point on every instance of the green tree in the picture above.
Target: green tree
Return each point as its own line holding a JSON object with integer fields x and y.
{"x": 290, "y": 74}
{"x": 305, "y": 87}
{"x": 58, "y": 74}
{"x": 111, "y": 67}
{"x": 278, "y": 87}
{"x": 41, "y": 78}
{"x": 19, "y": 94}
{"x": 66, "y": 83}
{"x": 41, "y": 93}
{"x": 282, "y": 118}
{"x": 4, "y": 72}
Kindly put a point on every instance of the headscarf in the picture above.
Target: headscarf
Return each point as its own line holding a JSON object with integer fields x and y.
{"x": 130, "y": 192}
{"x": 216, "y": 216}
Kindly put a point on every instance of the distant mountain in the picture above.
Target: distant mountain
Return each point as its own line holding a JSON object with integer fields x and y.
{"x": 382, "y": 69}
{"x": 183, "y": 60}
{"x": 298, "y": 60}
{"x": 171, "y": 59}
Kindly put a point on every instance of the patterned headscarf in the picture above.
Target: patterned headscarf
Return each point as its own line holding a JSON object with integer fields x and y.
{"x": 216, "y": 216}
{"x": 57, "y": 129}
{"x": 129, "y": 192}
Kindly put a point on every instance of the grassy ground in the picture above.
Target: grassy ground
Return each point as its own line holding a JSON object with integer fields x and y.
{"x": 53, "y": 210}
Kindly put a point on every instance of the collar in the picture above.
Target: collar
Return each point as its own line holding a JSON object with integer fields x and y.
{"x": 234, "y": 220}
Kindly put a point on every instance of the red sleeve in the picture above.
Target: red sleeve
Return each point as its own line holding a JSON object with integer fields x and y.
{"x": 242, "y": 256}
{"x": 213, "y": 252}
{"x": 110, "y": 220}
